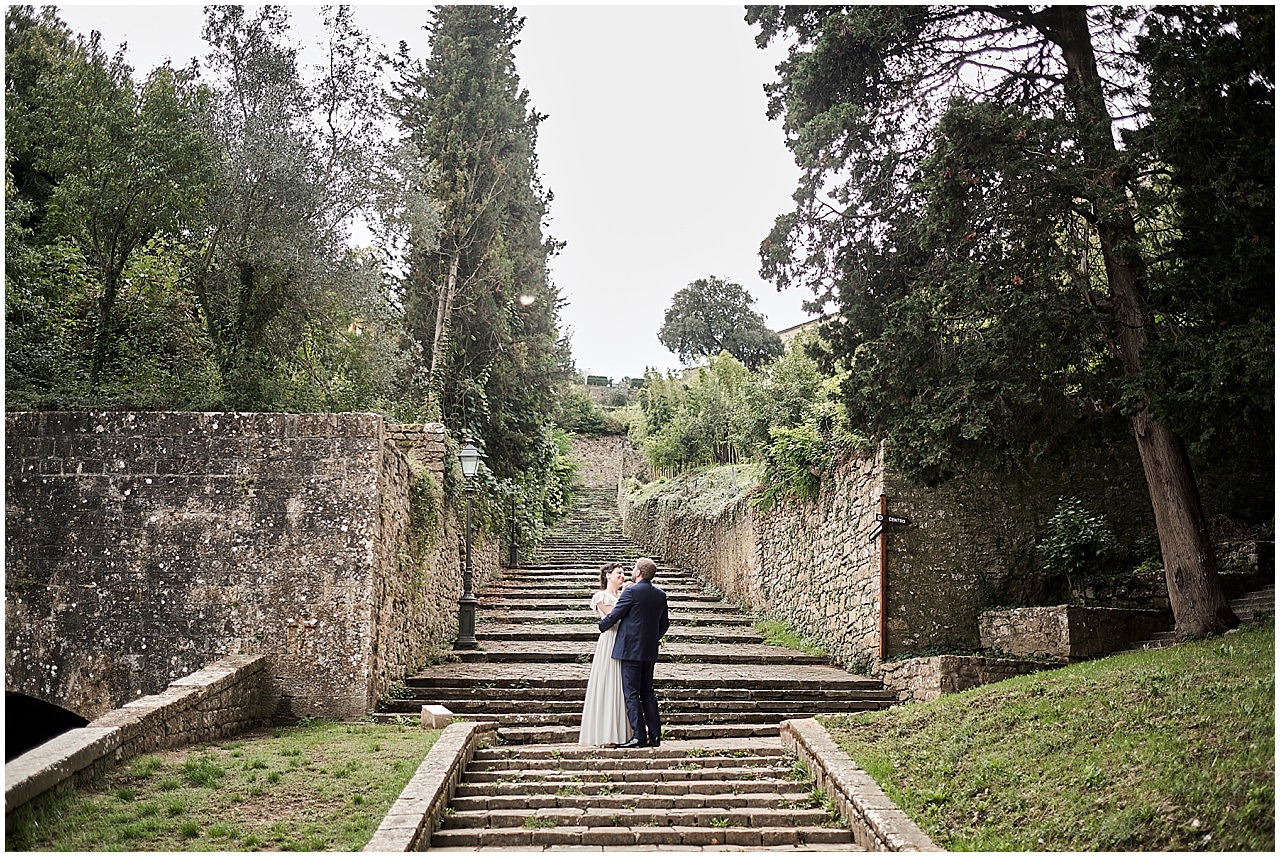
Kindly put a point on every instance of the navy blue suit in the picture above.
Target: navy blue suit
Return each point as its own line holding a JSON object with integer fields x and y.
{"x": 641, "y": 617}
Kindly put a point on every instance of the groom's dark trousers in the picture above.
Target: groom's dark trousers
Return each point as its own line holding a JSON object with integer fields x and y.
{"x": 642, "y": 700}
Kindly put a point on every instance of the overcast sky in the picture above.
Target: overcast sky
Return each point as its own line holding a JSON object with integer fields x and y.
{"x": 656, "y": 147}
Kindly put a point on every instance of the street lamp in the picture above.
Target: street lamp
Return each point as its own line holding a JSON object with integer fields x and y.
{"x": 469, "y": 457}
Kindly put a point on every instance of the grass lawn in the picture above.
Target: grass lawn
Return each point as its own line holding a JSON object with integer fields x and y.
{"x": 322, "y": 786}
{"x": 1162, "y": 750}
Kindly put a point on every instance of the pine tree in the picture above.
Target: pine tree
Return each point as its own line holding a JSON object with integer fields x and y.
{"x": 478, "y": 299}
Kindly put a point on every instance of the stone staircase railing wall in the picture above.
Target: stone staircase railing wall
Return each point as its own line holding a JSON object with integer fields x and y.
{"x": 141, "y": 547}
{"x": 969, "y": 546}
{"x": 219, "y": 701}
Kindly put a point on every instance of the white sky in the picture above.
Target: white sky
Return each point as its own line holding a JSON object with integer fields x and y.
{"x": 656, "y": 147}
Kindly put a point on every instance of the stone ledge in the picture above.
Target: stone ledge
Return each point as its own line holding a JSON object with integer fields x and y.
{"x": 876, "y": 822}
{"x": 140, "y": 726}
{"x": 409, "y": 823}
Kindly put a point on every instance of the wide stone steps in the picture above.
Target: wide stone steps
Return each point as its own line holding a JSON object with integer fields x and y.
{"x": 587, "y": 632}
{"x": 715, "y": 794}
{"x": 719, "y": 781}
{"x": 578, "y": 616}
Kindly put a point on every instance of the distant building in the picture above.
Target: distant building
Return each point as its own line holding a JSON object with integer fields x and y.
{"x": 789, "y": 334}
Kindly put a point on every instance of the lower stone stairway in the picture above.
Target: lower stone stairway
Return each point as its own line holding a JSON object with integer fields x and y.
{"x": 719, "y": 779}
{"x": 731, "y": 793}
{"x": 1248, "y": 607}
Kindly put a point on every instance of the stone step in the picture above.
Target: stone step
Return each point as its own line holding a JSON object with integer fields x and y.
{"x": 581, "y": 616}
{"x": 550, "y": 651}
{"x": 586, "y": 631}
{"x": 690, "y": 610}
{"x": 668, "y": 677}
{"x": 550, "y": 835}
{"x": 630, "y": 796}
{"x": 567, "y": 729}
{"x": 568, "y": 712}
{"x": 1246, "y": 607}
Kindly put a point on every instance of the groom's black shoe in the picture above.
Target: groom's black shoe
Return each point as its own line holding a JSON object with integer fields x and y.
{"x": 655, "y": 742}
{"x": 631, "y": 745}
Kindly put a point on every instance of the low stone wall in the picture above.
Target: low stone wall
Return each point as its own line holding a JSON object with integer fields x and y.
{"x": 143, "y": 546}
{"x": 876, "y": 822}
{"x": 1068, "y": 632}
{"x": 415, "y": 815}
{"x": 925, "y": 679}
{"x": 220, "y": 701}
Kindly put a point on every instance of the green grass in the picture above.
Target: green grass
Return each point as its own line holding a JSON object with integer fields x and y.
{"x": 323, "y": 786}
{"x": 779, "y": 633}
{"x": 1163, "y": 750}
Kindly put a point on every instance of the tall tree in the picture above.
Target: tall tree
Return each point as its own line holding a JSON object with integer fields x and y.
{"x": 300, "y": 162}
{"x": 109, "y": 164}
{"x": 478, "y": 299}
{"x": 713, "y": 314}
{"x": 968, "y": 206}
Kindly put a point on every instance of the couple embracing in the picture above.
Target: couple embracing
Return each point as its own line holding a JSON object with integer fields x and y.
{"x": 621, "y": 707}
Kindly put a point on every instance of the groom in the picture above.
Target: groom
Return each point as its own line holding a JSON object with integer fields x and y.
{"x": 642, "y": 614}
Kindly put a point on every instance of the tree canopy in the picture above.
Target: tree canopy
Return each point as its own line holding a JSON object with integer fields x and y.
{"x": 1016, "y": 244}
{"x": 711, "y": 315}
{"x": 479, "y": 301}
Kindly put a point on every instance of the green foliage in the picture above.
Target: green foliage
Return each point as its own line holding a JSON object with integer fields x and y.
{"x": 577, "y": 412}
{"x": 977, "y": 305}
{"x": 781, "y": 416}
{"x": 1077, "y": 544}
{"x": 779, "y": 633}
{"x": 712, "y": 315}
{"x": 216, "y": 274}
{"x": 478, "y": 301}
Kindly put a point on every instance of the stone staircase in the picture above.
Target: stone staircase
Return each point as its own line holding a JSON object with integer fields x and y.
{"x": 720, "y": 779}
{"x": 741, "y": 792}
{"x": 1249, "y": 607}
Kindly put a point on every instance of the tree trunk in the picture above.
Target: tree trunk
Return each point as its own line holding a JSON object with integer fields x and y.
{"x": 444, "y": 308}
{"x": 1195, "y": 592}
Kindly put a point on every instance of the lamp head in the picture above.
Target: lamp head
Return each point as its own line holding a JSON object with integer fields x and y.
{"x": 469, "y": 457}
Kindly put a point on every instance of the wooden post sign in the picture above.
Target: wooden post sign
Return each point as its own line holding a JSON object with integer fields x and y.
{"x": 884, "y": 519}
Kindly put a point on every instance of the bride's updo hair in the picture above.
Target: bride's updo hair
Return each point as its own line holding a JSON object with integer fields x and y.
{"x": 604, "y": 573}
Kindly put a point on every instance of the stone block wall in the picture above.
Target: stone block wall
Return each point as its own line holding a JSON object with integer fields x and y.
{"x": 141, "y": 547}
{"x": 1067, "y": 632}
{"x": 925, "y": 679}
{"x": 968, "y": 546}
{"x": 809, "y": 564}
{"x": 601, "y": 460}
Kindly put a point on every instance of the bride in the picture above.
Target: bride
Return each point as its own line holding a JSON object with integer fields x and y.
{"x": 604, "y": 713}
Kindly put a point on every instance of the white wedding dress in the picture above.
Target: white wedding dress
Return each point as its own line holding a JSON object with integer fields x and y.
{"x": 604, "y": 713}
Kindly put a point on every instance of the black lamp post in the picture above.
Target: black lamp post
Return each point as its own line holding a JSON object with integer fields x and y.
{"x": 469, "y": 457}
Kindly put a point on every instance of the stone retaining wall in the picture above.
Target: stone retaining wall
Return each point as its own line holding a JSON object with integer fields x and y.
{"x": 416, "y": 813}
{"x": 142, "y": 546}
{"x": 1073, "y": 633}
{"x": 925, "y": 679}
{"x": 968, "y": 547}
{"x": 222, "y": 700}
